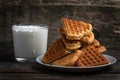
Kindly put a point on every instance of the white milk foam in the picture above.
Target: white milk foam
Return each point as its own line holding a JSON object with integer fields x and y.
{"x": 26, "y": 28}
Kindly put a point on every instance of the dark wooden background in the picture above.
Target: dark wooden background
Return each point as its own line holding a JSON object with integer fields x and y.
{"x": 104, "y": 15}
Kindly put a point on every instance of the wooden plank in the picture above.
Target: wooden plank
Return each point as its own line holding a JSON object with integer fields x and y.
{"x": 63, "y": 76}
{"x": 103, "y": 23}
{"x": 12, "y": 70}
{"x": 16, "y": 67}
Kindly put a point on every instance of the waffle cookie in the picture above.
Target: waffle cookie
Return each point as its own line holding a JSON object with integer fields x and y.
{"x": 55, "y": 51}
{"x": 94, "y": 43}
{"x": 70, "y": 44}
{"x": 87, "y": 27}
{"x": 101, "y": 49}
{"x": 88, "y": 38}
{"x": 68, "y": 60}
{"x": 91, "y": 57}
{"x": 74, "y": 29}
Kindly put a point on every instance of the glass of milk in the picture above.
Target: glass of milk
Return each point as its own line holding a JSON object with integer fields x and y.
{"x": 30, "y": 41}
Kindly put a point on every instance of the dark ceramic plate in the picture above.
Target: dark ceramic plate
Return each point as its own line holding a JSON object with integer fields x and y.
{"x": 111, "y": 59}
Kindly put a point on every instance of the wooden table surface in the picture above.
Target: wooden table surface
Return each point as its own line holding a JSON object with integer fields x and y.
{"x": 13, "y": 70}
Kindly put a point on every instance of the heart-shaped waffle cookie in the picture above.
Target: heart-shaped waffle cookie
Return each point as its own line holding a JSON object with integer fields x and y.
{"x": 55, "y": 51}
{"x": 91, "y": 57}
{"x": 74, "y": 29}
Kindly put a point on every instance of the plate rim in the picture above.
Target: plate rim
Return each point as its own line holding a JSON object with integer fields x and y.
{"x": 39, "y": 60}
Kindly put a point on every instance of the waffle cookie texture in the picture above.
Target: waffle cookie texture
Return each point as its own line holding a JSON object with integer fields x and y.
{"x": 91, "y": 57}
{"x": 70, "y": 44}
{"x": 74, "y": 29}
{"x": 55, "y": 51}
{"x": 77, "y": 46}
{"x": 68, "y": 60}
{"x": 88, "y": 38}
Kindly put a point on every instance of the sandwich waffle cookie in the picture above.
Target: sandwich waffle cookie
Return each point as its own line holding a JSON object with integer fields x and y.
{"x": 55, "y": 51}
{"x": 74, "y": 29}
{"x": 94, "y": 43}
{"x": 101, "y": 49}
{"x": 70, "y": 44}
{"x": 91, "y": 57}
{"x": 87, "y": 27}
{"x": 68, "y": 60}
{"x": 97, "y": 45}
{"x": 88, "y": 38}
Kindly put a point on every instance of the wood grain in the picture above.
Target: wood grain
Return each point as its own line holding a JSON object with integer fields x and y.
{"x": 102, "y": 14}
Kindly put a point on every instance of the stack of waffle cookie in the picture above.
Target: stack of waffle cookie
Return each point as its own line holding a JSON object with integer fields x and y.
{"x": 77, "y": 46}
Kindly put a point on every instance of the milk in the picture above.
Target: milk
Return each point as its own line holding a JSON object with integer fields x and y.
{"x": 30, "y": 41}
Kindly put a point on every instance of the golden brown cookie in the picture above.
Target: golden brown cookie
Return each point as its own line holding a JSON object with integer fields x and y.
{"x": 68, "y": 60}
{"x": 70, "y": 44}
{"x": 55, "y": 51}
{"x": 91, "y": 57}
{"x": 74, "y": 29}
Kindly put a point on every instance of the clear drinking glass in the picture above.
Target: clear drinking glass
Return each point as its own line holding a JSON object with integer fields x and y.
{"x": 30, "y": 41}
